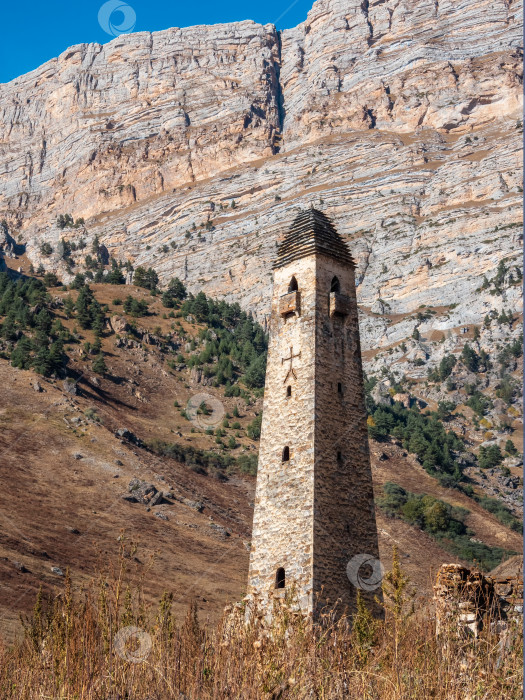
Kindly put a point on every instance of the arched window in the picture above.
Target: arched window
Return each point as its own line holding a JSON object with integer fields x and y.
{"x": 286, "y": 454}
{"x": 280, "y": 578}
{"x": 288, "y": 391}
{"x": 335, "y": 286}
{"x": 293, "y": 287}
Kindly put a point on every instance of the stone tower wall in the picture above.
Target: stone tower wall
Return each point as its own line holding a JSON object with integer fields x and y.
{"x": 283, "y": 519}
{"x": 315, "y": 511}
{"x": 344, "y": 523}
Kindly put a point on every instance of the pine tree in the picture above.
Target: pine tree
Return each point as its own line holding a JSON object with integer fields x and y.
{"x": 99, "y": 365}
{"x": 56, "y": 356}
{"x": 470, "y": 358}
{"x": 510, "y": 447}
{"x": 41, "y": 362}
{"x": 146, "y": 278}
{"x": 115, "y": 276}
{"x": 177, "y": 289}
{"x": 78, "y": 281}
{"x": 83, "y": 303}
{"x": 21, "y": 355}
{"x": 69, "y": 307}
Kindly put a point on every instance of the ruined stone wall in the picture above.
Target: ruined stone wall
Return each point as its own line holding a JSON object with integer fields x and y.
{"x": 466, "y": 600}
{"x": 344, "y": 505}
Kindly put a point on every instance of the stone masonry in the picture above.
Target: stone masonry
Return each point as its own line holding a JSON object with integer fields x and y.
{"x": 314, "y": 506}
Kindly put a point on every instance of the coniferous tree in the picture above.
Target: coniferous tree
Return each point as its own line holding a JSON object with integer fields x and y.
{"x": 115, "y": 276}
{"x": 78, "y": 281}
{"x": 84, "y": 300}
{"x": 470, "y": 358}
{"x": 99, "y": 365}
{"x": 21, "y": 355}
{"x": 146, "y": 278}
{"x": 69, "y": 307}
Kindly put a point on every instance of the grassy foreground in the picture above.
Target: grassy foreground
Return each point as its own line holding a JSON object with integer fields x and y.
{"x": 106, "y": 643}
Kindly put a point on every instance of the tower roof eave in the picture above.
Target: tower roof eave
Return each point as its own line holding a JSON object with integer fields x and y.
{"x": 312, "y": 232}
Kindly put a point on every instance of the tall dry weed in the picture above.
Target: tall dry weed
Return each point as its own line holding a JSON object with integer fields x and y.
{"x": 105, "y": 643}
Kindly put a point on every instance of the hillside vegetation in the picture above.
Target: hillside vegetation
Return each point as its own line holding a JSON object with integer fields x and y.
{"x": 113, "y": 368}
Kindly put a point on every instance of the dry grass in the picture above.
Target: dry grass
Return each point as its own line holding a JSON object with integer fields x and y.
{"x": 73, "y": 648}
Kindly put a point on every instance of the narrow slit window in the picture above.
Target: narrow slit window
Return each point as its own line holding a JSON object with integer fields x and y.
{"x": 339, "y": 457}
{"x": 339, "y": 388}
{"x": 286, "y": 454}
{"x": 335, "y": 286}
{"x": 293, "y": 286}
{"x": 280, "y": 578}
{"x": 288, "y": 391}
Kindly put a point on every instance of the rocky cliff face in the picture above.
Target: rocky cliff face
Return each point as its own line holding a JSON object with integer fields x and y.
{"x": 190, "y": 149}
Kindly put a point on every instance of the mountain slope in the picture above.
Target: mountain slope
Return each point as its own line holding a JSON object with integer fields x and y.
{"x": 71, "y": 455}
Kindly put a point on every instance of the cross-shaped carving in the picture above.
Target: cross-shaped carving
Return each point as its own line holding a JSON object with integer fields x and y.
{"x": 290, "y": 360}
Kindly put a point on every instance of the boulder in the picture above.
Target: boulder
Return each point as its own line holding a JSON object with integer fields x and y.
{"x": 402, "y": 398}
{"x": 143, "y": 492}
{"x": 70, "y": 387}
{"x": 380, "y": 393}
{"x": 196, "y": 374}
{"x": 220, "y": 530}
{"x": 129, "y": 436}
{"x": 119, "y": 324}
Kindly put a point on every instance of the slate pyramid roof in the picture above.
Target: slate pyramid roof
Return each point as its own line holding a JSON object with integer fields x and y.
{"x": 312, "y": 232}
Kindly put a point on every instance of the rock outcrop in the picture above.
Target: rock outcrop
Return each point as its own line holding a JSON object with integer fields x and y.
{"x": 190, "y": 149}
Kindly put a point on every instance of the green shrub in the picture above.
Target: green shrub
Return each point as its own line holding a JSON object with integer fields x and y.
{"x": 443, "y": 522}
{"x": 253, "y": 430}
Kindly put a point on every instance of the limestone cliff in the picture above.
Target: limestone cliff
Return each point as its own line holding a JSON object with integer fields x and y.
{"x": 190, "y": 150}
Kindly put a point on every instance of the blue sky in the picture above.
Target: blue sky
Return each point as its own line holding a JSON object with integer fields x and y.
{"x": 33, "y": 32}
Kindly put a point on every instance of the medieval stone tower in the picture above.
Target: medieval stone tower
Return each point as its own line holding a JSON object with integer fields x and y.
{"x": 314, "y": 507}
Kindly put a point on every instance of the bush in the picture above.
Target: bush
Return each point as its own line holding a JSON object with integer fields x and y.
{"x": 510, "y": 448}
{"x": 503, "y": 514}
{"x": 443, "y": 522}
{"x": 479, "y": 403}
{"x": 247, "y": 464}
{"x": 135, "y": 307}
{"x": 253, "y": 430}
{"x": 99, "y": 364}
